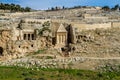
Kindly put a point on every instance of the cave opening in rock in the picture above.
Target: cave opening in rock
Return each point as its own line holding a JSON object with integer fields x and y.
{"x": 1, "y": 51}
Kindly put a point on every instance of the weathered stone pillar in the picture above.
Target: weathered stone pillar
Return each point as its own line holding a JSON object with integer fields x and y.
{"x": 26, "y": 37}
{"x": 30, "y": 36}
{"x": 61, "y": 39}
{"x": 21, "y": 35}
{"x": 57, "y": 39}
{"x": 64, "y": 39}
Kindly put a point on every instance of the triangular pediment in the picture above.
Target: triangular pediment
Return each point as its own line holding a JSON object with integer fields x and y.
{"x": 61, "y": 28}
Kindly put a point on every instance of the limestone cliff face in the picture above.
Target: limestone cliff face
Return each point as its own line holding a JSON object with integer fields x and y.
{"x": 5, "y": 38}
{"x": 98, "y": 43}
{"x": 17, "y": 48}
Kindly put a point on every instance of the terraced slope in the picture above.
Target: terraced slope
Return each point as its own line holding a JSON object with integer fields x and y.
{"x": 99, "y": 43}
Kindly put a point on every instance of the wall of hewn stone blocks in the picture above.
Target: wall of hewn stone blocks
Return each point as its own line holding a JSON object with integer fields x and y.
{"x": 115, "y": 24}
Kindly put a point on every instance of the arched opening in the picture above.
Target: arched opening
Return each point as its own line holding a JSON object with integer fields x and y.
{"x": 1, "y": 51}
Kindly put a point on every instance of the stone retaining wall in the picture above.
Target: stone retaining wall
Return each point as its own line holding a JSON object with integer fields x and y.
{"x": 72, "y": 63}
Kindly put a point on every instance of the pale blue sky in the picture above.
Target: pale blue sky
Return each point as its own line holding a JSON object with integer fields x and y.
{"x": 45, "y": 4}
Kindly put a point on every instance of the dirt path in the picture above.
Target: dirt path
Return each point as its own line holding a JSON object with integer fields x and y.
{"x": 105, "y": 58}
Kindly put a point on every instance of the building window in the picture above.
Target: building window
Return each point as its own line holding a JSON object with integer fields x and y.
{"x": 24, "y": 36}
{"x": 33, "y": 38}
{"x": 28, "y": 36}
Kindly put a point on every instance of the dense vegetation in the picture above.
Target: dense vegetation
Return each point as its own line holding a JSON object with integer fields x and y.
{"x": 14, "y": 8}
{"x": 17, "y": 73}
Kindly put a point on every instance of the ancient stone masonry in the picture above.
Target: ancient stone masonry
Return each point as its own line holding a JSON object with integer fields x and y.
{"x": 5, "y": 37}
{"x": 61, "y": 36}
{"x": 22, "y": 33}
{"x": 25, "y": 38}
{"x": 20, "y": 40}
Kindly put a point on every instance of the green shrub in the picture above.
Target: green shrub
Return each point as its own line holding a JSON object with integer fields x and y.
{"x": 41, "y": 79}
{"x": 28, "y": 79}
{"x": 79, "y": 74}
{"x": 49, "y": 57}
{"x": 39, "y": 51}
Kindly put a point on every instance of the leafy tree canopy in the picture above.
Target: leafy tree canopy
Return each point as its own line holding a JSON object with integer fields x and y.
{"x": 14, "y": 7}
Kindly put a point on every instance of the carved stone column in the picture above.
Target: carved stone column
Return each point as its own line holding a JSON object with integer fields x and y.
{"x": 26, "y": 37}
{"x": 64, "y": 39}
{"x": 57, "y": 39}
{"x": 61, "y": 39}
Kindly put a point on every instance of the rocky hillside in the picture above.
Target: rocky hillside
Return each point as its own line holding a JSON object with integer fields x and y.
{"x": 99, "y": 43}
{"x": 95, "y": 49}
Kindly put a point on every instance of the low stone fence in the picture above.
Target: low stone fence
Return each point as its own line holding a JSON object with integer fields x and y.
{"x": 64, "y": 63}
